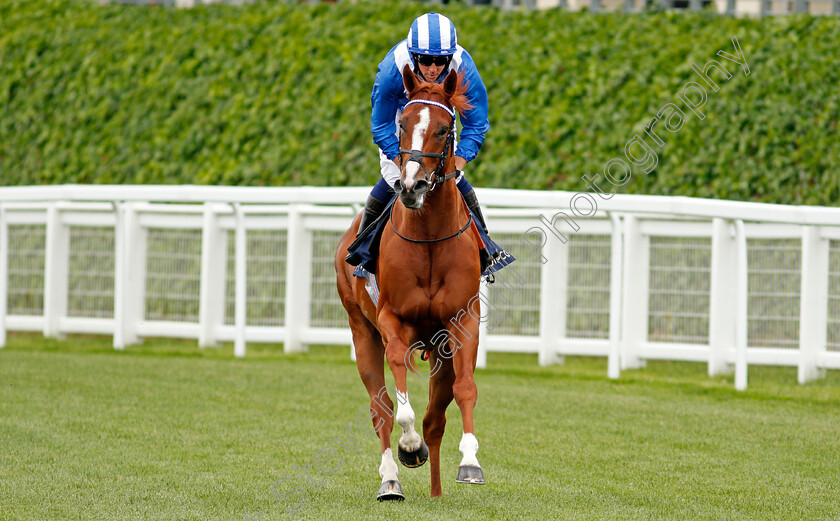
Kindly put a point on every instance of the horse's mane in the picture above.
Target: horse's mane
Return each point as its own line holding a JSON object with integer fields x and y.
{"x": 458, "y": 100}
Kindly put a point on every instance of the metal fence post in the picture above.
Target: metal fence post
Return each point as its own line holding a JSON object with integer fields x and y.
{"x": 120, "y": 270}
{"x": 554, "y": 275}
{"x": 211, "y": 310}
{"x": 298, "y": 276}
{"x": 634, "y": 319}
{"x": 616, "y": 283}
{"x": 129, "y": 275}
{"x": 741, "y": 308}
{"x": 241, "y": 283}
{"x": 813, "y": 303}
{"x": 4, "y": 274}
{"x": 481, "y": 359}
{"x": 722, "y": 296}
{"x": 56, "y": 272}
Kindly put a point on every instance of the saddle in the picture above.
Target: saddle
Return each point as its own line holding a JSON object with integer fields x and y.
{"x": 493, "y": 257}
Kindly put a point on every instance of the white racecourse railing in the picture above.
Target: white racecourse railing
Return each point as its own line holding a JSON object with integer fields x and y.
{"x": 642, "y": 277}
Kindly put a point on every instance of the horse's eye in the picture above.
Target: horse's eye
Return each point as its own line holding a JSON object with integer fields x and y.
{"x": 442, "y": 132}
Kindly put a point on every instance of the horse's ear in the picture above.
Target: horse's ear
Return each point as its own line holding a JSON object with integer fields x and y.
{"x": 450, "y": 84}
{"x": 409, "y": 79}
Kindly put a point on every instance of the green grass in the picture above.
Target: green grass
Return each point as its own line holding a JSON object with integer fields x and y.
{"x": 168, "y": 431}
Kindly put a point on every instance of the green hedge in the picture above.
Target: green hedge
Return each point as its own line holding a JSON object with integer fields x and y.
{"x": 278, "y": 94}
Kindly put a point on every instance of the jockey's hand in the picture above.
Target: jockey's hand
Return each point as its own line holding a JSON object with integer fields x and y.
{"x": 460, "y": 163}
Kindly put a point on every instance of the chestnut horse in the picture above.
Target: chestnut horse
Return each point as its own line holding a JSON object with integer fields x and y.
{"x": 428, "y": 272}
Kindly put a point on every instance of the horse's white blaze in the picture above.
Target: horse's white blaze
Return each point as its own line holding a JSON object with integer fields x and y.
{"x": 409, "y": 440}
{"x": 468, "y": 448}
{"x": 410, "y": 173}
{"x": 420, "y": 129}
{"x": 388, "y": 469}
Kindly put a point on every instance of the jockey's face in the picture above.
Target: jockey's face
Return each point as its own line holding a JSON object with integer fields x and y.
{"x": 431, "y": 72}
{"x": 431, "y": 67}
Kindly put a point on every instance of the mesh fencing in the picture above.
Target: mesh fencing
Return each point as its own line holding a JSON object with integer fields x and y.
{"x": 26, "y": 264}
{"x": 515, "y": 310}
{"x": 266, "y": 277}
{"x": 679, "y": 286}
{"x": 774, "y": 283}
{"x": 90, "y": 291}
{"x": 833, "y": 333}
{"x": 588, "y": 300}
{"x": 173, "y": 274}
{"x": 680, "y": 276}
{"x": 326, "y": 308}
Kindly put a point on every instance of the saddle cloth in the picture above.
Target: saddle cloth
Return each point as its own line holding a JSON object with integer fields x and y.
{"x": 371, "y": 285}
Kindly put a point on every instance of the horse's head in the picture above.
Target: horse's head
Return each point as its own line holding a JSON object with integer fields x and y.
{"x": 427, "y": 133}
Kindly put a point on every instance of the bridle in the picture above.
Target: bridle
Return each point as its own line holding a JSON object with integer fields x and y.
{"x": 436, "y": 178}
{"x": 418, "y": 155}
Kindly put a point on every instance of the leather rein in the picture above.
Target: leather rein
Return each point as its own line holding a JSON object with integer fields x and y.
{"x": 436, "y": 178}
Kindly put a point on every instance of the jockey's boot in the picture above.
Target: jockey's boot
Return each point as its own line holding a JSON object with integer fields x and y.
{"x": 472, "y": 202}
{"x": 373, "y": 209}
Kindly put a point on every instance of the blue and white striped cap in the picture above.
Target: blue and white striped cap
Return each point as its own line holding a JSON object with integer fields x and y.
{"x": 432, "y": 34}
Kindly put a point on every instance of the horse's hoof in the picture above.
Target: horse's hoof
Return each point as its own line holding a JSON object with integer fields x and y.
{"x": 390, "y": 491}
{"x": 415, "y": 458}
{"x": 470, "y": 474}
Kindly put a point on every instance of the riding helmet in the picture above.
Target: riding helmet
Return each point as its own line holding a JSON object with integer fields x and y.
{"x": 432, "y": 34}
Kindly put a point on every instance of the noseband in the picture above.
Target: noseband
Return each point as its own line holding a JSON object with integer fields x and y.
{"x": 418, "y": 155}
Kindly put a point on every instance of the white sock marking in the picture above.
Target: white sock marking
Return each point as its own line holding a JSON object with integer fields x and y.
{"x": 468, "y": 448}
{"x": 409, "y": 440}
{"x": 388, "y": 469}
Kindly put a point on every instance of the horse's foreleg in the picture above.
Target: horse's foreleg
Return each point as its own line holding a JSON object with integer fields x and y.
{"x": 434, "y": 422}
{"x": 466, "y": 394}
{"x": 412, "y": 451}
{"x": 369, "y": 360}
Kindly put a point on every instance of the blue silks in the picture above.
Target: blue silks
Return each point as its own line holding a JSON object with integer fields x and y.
{"x": 368, "y": 248}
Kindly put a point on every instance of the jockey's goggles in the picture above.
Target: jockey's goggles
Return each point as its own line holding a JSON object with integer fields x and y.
{"x": 427, "y": 60}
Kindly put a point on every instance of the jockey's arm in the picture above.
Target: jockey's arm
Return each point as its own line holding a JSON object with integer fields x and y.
{"x": 387, "y": 89}
{"x": 474, "y": 122}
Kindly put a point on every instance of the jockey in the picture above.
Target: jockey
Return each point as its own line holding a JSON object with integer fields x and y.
{"x": 431, "y": 51}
